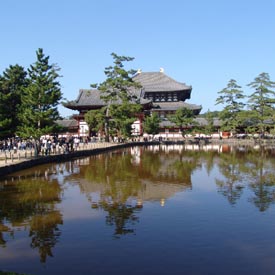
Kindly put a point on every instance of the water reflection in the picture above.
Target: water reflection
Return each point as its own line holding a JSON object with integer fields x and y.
{"x": 29, "y": 203}
{"x": 121, "y": 183}
{"x": 231, "y": 167}
{"x": 261, "y": 179}
{"x": 126, "y": 179}
{"x": 246, "y": 167}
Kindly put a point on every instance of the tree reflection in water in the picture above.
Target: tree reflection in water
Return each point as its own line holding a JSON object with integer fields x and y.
{"x": 125, "y": 183}
{"x": 30, "y": 202}
{"x": 248, "y": 168}
{"x": 44, "y": 232}
{"x": 122, "y": 216}
{"x": 121, "y": 182}
{"x": 231, "y": 167}
{"x": 262, "y": 178}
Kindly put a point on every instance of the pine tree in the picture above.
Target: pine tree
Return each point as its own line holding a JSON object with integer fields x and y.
{"x": 95, "y": 120}
{"x": 261, "y": 101}
{"x": 123, "y": 116}
{"x": 41, "y": 98}
{"x": 118, "y": 88}
{"x": 12, "y": 85}
{"x": 151, "y": 124}
{"x": 231, "y": 97}
{"x": 183, "y": 118}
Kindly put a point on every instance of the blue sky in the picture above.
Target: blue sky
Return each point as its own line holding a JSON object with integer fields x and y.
{"x": 201, "y": 43}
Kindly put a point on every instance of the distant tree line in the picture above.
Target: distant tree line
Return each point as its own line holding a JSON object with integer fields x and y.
{"x": 253, "y": 113}
{"x": 29, "y": 99}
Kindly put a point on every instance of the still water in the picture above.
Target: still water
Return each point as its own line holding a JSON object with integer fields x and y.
{"x": 143, "y": 210}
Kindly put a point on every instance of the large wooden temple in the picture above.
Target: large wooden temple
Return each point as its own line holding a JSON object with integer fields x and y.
{"x": 158, "y": 93}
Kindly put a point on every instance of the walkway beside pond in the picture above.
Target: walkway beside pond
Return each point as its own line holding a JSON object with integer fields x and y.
{"x": 17, "y": 156}
{"x": 15, "y": 160}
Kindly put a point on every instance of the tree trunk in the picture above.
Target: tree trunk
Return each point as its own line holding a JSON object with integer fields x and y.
{"x": 107, "y": 139}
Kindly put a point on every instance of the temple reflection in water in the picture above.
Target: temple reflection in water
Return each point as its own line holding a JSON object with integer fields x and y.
{"x": 149, "y": 175}
{"x": 86, "y": 202}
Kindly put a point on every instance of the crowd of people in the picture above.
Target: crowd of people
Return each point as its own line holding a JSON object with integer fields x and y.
{"x": 46, "y": 145}
{"x": 10, "y": 144}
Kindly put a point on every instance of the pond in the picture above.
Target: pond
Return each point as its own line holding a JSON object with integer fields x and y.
{"x": 143, "y": 210}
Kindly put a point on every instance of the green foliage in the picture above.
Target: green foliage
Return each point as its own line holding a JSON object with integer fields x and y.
{"x": 40, "y": 99}
{"x": 261, "y": 101}
{"x": 12, "y": 85}
{"x": 209, "y": 128}
{"x": 119, "y": 93}
{"x": 95, "y": 120}
{"x": 123, "y": 115}
{"x": 151, "y": 124}
{"x": 183, "y": 118}
{"x": 230, "y": 97}
{"x": 117, "y": 86}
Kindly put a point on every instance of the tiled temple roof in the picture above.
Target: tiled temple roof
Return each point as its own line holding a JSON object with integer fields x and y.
{"x": 173, "y": 106}
{"x": 159, "y": 82}
{"x": 200, "y": 120}
{"x": 67, "y": 123}
{"x": 150, "y": 82}
{"x": 91, "y": 97}
{"x": 203, "y": 121}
